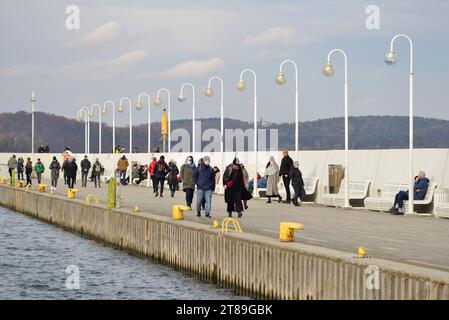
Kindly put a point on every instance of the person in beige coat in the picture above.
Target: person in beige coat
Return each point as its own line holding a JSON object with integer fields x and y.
{"x": 272, "y": 175}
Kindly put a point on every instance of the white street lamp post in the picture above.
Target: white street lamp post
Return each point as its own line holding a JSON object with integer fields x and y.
{"x": 328, "y": 71}
{"x": 86, "y": 112}
{"x": 121, "y": 109}
{"x": 139, "y": 106}
{"x": 241, "y": 86}
{"x": 158, "y": 103}
{"x": 104, "y": 112}
{"x": 390, "y": 58}
{"x": 33, "y": 109}
{"x": 182, "y": 98}
{"x": 91, "y": 115}
{"x": 209, "y": 93}
{"x": 280, "y": 79}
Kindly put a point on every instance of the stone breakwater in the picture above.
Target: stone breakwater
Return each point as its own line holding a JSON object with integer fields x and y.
{"x": 253, "y": 265}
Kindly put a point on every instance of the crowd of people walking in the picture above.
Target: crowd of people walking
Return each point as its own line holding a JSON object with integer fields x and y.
{"x": 190, "y": 177}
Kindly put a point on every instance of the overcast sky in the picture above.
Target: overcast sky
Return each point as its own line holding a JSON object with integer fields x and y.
{"x": 127, "y": 47}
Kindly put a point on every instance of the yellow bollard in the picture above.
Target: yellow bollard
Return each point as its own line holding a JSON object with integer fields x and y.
{"x": 362, "y": 252}
{"x": 177, "y": 212}
{"x": 20, "y": 183}
{"x": 287, "y": 231}
{"x": 2, "y": 181}
{"x": 216, "y": 224}
{"x": 28, "y": 187}
{"x": 42, "y": 187}
{"x": 71, "y": 193}
{"x": 136, "y": 208}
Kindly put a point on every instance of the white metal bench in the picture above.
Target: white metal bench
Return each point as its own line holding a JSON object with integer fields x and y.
{"x": 358, "y": 190}
{"x": 428, "y": 199}
{"x": 310, "y": 184}
{"x": 385, "y": 201}
{"x": 442, "y": 210}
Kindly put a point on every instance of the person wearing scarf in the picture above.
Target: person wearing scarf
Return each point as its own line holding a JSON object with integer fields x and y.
{"x": 186, "y": 176}
{"x": 272, "y": 174}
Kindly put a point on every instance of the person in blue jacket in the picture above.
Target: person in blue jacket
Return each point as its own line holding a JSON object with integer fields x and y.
{"x": 204, "y": 178}
{"x": 419, "y": 193}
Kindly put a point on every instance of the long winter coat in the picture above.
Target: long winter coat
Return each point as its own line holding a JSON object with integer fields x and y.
{"x": 187, "y": 176}
{"x": 55, "y": 167}
{"x": 173, "y": 172}
{"x": 235, "y": 193}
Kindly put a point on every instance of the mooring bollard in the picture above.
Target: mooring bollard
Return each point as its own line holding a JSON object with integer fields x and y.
{"x": 362, "y": 252}
{"x": 177, "y": 212}
{"x": 42, "y": 187}
{"x": 71, "y": 193}
{"x": 224, "y": 225}
{"x": 287, "y": 231}
{"x": 91, "y": 197}
{"x": 136, "y": 208}
{"x": 2, "y": 181}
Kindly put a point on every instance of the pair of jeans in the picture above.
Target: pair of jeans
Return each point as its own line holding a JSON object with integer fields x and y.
{"x": 286, "y": 181}
{"x": 123, "y": 177}
{"x": 97, "y": 180}
{"x": 161, "y": 182}
{"x": 54, "y": 182}
{"x": 20, "y": 176}
{"x": 204, "y": 194}
{"x": 10, "y": 170}
{"x": 173, "y": 188}
{"x": 29, "y": 178}
{"x": 401, "y": 196}
{"x": 84, "y": 175}
{"x": 189, "y": 196}
{"x": 71, "y": 182}
{"x": 154, "y": 182}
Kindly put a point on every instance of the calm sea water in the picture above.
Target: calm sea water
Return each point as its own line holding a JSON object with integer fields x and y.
{"x": 34, "y": 257}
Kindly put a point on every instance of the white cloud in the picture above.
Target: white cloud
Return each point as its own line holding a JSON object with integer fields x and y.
{"x": 194, "y": 68}
{"x": 284, "y": 35}
{"x": 20, "y": 70}
{"x": 103, "y": 34}
{"x": 105, "y": 68}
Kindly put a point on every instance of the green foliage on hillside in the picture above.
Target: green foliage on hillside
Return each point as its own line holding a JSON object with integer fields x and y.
{"x": 367, "y": 132}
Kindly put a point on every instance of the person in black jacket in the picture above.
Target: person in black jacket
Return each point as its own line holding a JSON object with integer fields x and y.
{"x": 234, "y": 186}
{"x": 284, "y": 171}
{"x": 160, "y": 172}
{"x": 71, "y": 170}
{"x": 85, "y": 167}
{"x": 297, "y": 184}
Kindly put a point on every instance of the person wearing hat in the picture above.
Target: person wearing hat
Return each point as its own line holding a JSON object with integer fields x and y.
{"x": 204, "y": 178}
{"x": 234, "y": 185}
{"x": 297, "y": 184}
{"x": 272, "y": 174}
{"x": 55, "y": 167}
{"x": 160, "y": 172}
{"x": 173, "y": 172}
{"x": 85, "y": 167}
{"x": 186, "y": 176}
{"x": 284, "y": 172}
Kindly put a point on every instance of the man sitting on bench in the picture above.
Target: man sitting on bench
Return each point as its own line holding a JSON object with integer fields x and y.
{"x": 419, "y": 192}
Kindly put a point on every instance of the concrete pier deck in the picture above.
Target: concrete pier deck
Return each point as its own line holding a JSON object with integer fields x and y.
{"x": 415, "y": 240}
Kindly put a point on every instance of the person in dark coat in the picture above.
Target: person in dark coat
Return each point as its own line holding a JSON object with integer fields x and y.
{"x": 234, "y": 186}
{"x": 55, "y": 167}
{"x": 97, "y": 171}
{"x": 297, "y": 183}
{"x": 186, "y": 176}
{"x": 419, "y": 193}
{"x": 160, "y": 172}
{"x": 29, "y": 171}
{"x": 64, "y": 168}
{"x": 85, "y": 167}
{"x": 20, "y": 168}
{"x": 173, "y": 172}
{"x": 204, "y": 179}
{"x": 71, "y": 170}
{"x": 284, "y": 171}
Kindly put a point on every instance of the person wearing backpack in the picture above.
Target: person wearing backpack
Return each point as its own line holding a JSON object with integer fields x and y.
{"x": 39, "y": 168}
{"x": 97, "y": 171}
{"x": 29, "y": 171}
{"x": 204, "y": 178}
{"x": 160, "y": 172}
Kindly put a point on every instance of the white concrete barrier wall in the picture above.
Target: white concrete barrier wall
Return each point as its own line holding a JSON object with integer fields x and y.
{"x": 378, "y": 166}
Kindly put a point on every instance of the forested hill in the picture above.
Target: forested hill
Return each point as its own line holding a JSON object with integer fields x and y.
{"x": 367, "y": 132}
